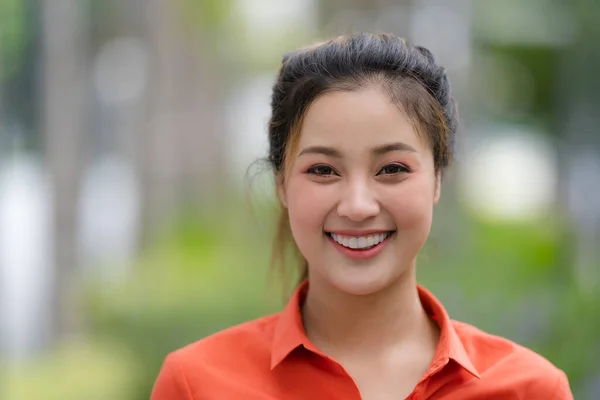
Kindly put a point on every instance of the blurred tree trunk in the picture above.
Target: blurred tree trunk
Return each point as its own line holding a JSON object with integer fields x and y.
{"x": 579, "y": 99}
{"x": 63, "y": 109}
{"x": 182, "y": 148}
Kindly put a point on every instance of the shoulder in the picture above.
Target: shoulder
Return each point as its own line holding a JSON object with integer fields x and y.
{"x": 251, "y": 338}
{"x": 506, "y": 362}
{"x": 239, "y": 352}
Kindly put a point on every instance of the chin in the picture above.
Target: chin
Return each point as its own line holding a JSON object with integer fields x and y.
{"x": 362, "y": 283}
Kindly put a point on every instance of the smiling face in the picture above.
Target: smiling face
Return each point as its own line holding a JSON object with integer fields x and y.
{"x": 359, "y": 191}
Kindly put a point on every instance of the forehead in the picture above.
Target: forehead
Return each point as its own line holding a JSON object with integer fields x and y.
{"x": 357, "y": 120}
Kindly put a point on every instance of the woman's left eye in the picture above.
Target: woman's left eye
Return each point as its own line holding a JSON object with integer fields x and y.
{"x": 393, "y": 169}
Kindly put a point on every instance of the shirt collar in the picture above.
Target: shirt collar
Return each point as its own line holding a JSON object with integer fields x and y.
{"x": 289, "y": 332}
{"x": 450, "y": 345}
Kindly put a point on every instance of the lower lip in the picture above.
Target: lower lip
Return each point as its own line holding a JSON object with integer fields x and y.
{"x": 358, "y": 254}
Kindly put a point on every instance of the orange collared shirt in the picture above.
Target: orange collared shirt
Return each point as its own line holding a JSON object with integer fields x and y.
{"x": 271, "y": 358}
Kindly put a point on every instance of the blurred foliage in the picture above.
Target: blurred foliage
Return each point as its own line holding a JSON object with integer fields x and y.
{"x": 201, "y": 277}
{"x": 90, "y": 369}
{"x": 208, "y": 15}
{"x": 514, "y": 280}
{"x": 13, "y": 36}
{"x": 541, "y": 69}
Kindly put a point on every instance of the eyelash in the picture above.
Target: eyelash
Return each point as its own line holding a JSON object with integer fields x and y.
{"x": 400, "y": 167}
{"x": 313, "y": 170}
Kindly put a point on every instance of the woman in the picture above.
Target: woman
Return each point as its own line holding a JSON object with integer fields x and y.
{"x": 362, "y": 128}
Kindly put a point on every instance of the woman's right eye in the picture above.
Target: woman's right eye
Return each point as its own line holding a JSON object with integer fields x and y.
{"x": 321, "y": 170}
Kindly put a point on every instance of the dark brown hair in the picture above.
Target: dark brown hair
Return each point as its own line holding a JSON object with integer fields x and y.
{"x": 409, "y": 74}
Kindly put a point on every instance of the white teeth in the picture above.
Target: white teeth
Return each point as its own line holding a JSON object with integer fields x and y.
{"x": 360, "y": 242}
{"x": 353, "y": 243}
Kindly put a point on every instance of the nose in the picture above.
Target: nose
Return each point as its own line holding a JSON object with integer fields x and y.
{"x": 358, "y": 202}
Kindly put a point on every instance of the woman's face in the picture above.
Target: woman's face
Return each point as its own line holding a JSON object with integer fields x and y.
{"x": 360, "y": 191}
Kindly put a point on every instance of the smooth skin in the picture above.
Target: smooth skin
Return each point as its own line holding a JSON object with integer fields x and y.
{"x": 360, "y": 166}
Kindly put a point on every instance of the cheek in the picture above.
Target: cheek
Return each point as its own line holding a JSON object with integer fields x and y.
{"x": 308, "y": 207}
{"x": 411, "y": 205}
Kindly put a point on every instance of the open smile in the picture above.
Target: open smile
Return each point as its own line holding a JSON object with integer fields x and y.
{"x": 362, "y": 242}
{"x": 365, "y": 246}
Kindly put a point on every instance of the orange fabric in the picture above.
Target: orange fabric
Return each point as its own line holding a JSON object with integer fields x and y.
{"x": 271, "y": 358}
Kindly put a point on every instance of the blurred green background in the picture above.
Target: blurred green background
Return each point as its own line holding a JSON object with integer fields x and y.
{"x": 130, "y": 224}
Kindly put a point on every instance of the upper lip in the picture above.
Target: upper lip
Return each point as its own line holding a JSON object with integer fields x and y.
{"x": 356, "y": 232}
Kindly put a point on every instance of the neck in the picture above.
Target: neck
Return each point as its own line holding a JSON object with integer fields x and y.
{"x": 338, "y": 322}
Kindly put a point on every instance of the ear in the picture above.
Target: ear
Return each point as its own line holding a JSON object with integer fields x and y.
{"x": 438, "y": 187}
{"x": 280, "y": 187}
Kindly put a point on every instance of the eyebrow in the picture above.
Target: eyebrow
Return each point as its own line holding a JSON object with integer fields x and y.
{"x": 379, "y": 150}
{"x": 399, "y": 146}
{"x": 328, "y": 151}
